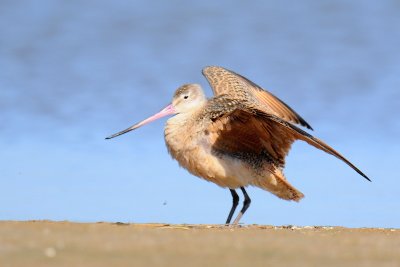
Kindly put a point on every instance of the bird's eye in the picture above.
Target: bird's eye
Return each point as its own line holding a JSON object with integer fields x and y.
{"x": 186, "y": 97}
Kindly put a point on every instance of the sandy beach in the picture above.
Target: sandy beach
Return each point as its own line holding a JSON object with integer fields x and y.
{"x": 46, "y": 243}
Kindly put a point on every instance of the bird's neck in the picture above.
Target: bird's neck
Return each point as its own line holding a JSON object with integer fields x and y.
{"x": 181, "y": 132}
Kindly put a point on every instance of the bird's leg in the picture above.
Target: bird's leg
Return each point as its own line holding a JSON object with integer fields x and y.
{"x": 246, "y": 204}
{"x": 235, "y": 202}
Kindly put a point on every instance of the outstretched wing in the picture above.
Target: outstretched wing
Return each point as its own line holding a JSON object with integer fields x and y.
{"x": 223, "y": 81}
{"x": 304, "y": 136}
{"x": 255, "y": 135}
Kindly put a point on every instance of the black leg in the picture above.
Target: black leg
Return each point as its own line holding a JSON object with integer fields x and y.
{"x": 246, "y": 202}
{"x": 235, "y": 202}
{"x": 246, "y": 205}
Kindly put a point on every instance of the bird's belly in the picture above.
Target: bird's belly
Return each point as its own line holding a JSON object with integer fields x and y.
{"x": 222, "y": 170}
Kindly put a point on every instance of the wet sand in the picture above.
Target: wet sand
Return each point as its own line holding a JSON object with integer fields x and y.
{"x": 45, "y": 243}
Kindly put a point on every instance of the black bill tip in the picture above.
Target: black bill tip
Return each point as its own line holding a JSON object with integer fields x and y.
{"x": 121, "y": 132}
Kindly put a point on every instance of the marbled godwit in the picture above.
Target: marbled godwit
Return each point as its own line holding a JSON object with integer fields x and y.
{"x": 239, "y": 137}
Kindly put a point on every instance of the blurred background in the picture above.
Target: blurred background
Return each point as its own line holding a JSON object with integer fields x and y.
{"x": 74, "y": 72}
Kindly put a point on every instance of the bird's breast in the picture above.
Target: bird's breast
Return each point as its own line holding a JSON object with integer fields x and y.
{"x": 183, "y": 138}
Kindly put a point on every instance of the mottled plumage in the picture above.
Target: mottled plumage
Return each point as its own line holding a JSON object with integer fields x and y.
{"x": 223, "y": 81}
{"x": 239, "y": 137}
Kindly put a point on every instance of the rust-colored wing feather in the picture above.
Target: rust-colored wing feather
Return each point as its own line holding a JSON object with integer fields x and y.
{"x": 302, "y": 135}
{"x": 223, "y": 81}
{"x": 251, "y": 134}
{"x": 241, "y": 134}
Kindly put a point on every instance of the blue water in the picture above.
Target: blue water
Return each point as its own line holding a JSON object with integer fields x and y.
{"x": 73, "y": 72}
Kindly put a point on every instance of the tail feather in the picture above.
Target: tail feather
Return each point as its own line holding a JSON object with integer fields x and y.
{"x": 277, "y": 184}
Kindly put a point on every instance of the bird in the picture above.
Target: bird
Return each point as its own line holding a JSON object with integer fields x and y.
{"x": 237, "y": 138}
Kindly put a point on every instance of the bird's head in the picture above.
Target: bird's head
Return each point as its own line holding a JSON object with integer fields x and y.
{"x": 188, "y": 97}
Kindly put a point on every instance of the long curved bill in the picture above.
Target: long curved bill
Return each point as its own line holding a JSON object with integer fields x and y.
{"x": 168, "y": 110}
